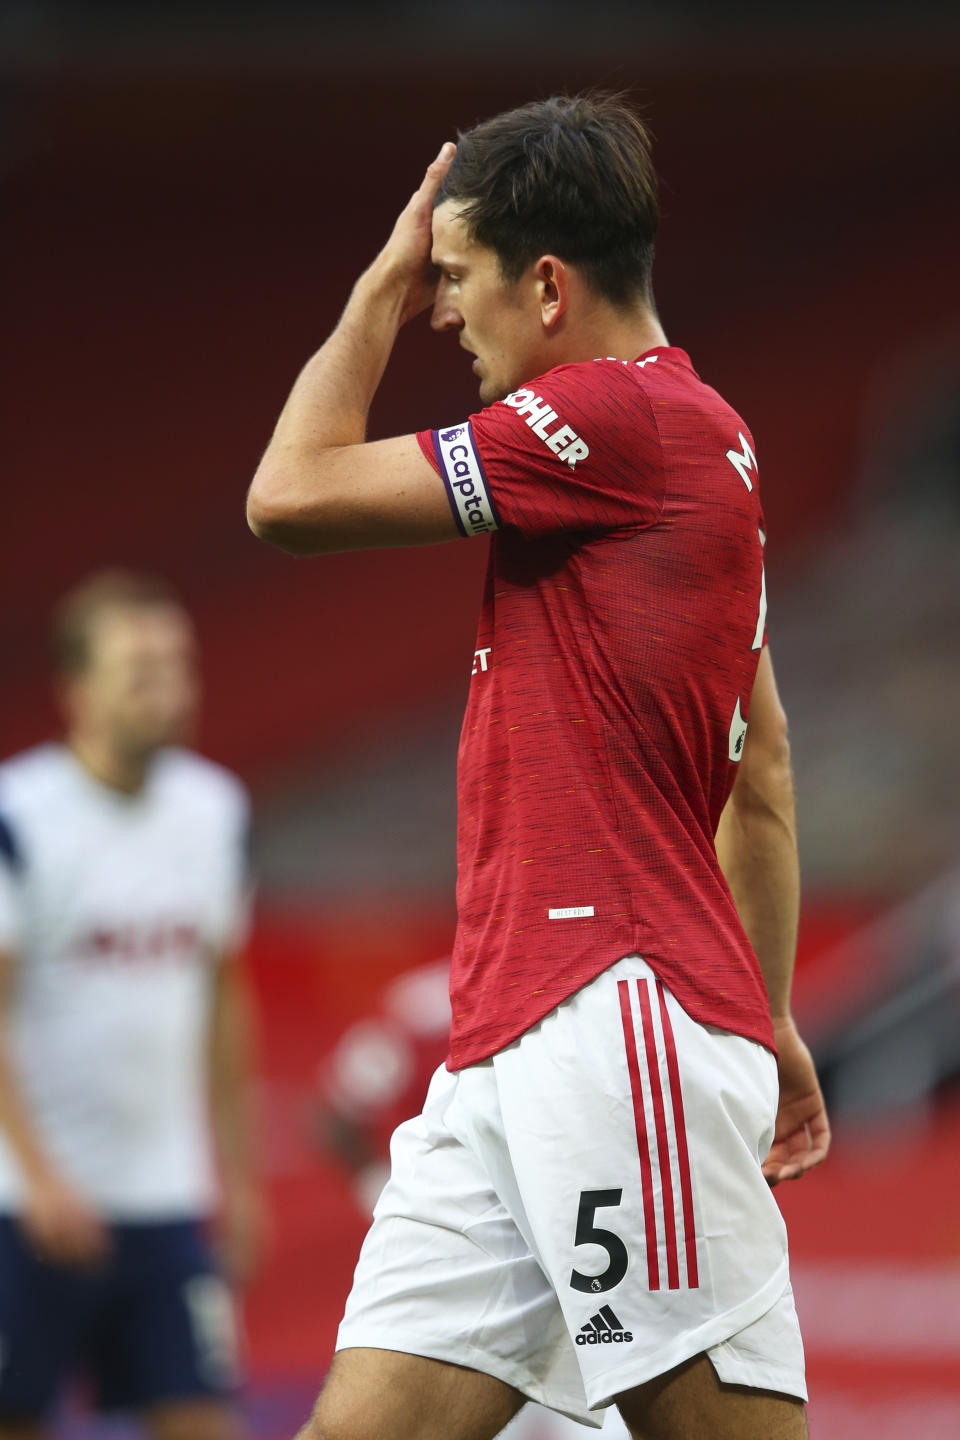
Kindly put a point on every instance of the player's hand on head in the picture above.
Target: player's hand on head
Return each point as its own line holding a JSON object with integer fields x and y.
{"x": 802, "y": 1136}
{"x": 406, "y": 256}
{"x": 60, "y": 1225}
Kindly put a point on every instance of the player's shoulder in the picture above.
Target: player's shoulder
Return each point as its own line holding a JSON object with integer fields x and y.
{"x": 672, "y": 385}
{"x": 620, "y": 396}
{"x": 587, "y": 412}
{"x": 662, "y": 365}
{"x": 34, "y": 778}
{"x": 190, "y": 779}
{"x": 584, "y": 381}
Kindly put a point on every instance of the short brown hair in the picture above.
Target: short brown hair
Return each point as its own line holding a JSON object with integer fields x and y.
{"x": 78, "y": 611}
{"x": 572, "y": 176}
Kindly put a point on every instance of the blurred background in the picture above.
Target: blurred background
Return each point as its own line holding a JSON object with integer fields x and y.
{"x": 188, "y": 192}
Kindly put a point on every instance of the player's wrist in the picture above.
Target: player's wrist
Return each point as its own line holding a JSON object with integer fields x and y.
{"x": 39, "y": 1172}
{"x": 241, "y": 1185}
{"x": 383, "y": 287}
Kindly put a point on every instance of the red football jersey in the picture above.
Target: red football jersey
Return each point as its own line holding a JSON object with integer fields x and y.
{"x": 621, "y": 628}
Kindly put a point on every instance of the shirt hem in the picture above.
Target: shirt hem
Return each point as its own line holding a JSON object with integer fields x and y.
{"x": 467, "y": 1050}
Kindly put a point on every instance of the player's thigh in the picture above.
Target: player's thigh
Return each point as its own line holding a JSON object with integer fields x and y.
{"x": 691, "y": 1402}
{"x": 387, "y": 1395}
{"x": 635, "y": 1141}
{"x": 198, "y": 1419}
{"x": 446, "y": 1272}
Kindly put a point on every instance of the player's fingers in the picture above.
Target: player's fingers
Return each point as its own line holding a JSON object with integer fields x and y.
{"x": 53, "y": 1245}
{"x": 83, "y": 1237}
{"x": 87, "y": 1248}
{"x": 805, "y": 1154}
{"x": 820, "y": 1134}
{"x": 778, "y": 1165}
{"x": 437, "y": 169}
{"x": 443, "y": 158}
{"x": 813, "y": 1143}
{"x": 41, "y": 1237}
{"x": 811, "y": 1158}
{"x": 97, "y": 1240}
{"x": 794, "y": 1155}
{"x": 419, "y": 207}
{"x": 775, "y": 1173}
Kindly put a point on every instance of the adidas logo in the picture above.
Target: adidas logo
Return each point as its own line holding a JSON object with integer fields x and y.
{"x": 603, "y": 1329}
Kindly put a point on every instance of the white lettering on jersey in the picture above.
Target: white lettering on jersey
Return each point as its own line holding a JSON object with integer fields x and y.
{"x": 738, "y": 726}
{"x": 738, "y": 733}
{"x": 762, "y": 614}
{"x": 465, "y": 480}
{"x": 570, "y": 912}
{"x": 480, "y": 660}
{"x": 564, "y": 442}
{"x": 743, "y": 460}
{"x": 537, "y": 410}
{"x": 148, "y": 943}
{"x": 615, "y": 360}
{"x": 560, "y": 439}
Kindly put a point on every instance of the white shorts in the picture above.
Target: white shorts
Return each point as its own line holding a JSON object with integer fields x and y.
{"x": 587, "y": 1210}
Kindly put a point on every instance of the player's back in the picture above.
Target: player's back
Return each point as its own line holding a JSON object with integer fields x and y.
{"x": 618, "y": 646}
{"x": 683, "y": 604}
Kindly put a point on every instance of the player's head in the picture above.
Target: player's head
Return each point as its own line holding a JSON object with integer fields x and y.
{"x": 548, "y": 213}
{"x": 125, "y": 656}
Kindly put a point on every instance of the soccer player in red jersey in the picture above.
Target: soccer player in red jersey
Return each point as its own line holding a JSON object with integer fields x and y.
{"x": 582, "y": 1213}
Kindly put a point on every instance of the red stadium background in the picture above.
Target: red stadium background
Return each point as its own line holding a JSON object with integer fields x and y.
{"x": 182, "y": 222}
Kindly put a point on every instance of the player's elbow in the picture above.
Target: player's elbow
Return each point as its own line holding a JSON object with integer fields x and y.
{"x": 275, "y": 518}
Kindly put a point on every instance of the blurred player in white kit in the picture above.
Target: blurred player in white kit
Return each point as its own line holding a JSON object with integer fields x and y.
{"x": 124, "y": 1036}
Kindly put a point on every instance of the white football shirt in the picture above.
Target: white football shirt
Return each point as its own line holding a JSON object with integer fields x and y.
{"x": 116, "y": 908}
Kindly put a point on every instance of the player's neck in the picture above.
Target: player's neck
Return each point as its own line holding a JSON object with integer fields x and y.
{"x": 109, "y": 766}
{"x": 617, "y": 335}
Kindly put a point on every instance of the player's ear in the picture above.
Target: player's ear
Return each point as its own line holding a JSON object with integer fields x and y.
{"x": 554, "y": 284}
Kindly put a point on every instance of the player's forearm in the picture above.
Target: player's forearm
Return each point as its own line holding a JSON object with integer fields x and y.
{"x": 233, "y": 1128}
{"x": 232, "y": 1108}
{"x": 326, "y": 410}
{"x": 757, "y": 849}
{"x": 16, "y": 1121}
{"x": 17, "y": 1124}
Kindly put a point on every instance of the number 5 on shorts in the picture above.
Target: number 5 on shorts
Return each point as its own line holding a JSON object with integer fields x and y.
{"x": 589, "y": 1234}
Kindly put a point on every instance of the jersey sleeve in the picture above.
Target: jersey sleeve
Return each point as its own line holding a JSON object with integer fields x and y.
{"x": 12, "y": 920}
{"x": 231, "y": 911}
{"x": 576, "y": 450}
{"x": 762, "y": 620}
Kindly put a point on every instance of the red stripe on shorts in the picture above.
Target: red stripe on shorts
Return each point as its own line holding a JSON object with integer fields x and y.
{"x": 640, "y": 1120}
{"x": 683, "y": 1158}
{"x": 660, "y": 1122}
